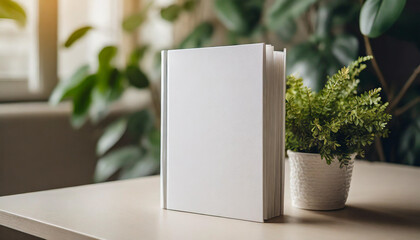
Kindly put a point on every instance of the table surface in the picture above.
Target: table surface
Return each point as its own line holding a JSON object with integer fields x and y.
{"x": 384, "y": 203}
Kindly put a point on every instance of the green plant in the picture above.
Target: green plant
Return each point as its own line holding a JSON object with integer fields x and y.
{"x": 10, "y": 9}
{"x": 93, "y": 91}
{"x": 336, "y": 121}
{"x": 321, "y": 36}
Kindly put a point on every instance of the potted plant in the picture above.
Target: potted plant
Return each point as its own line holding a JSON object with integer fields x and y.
{"x": 325, "y": 131}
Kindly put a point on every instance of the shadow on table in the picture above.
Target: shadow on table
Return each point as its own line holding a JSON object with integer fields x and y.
{"x": 376, "y": 215}
{"x": 357, "y": 214}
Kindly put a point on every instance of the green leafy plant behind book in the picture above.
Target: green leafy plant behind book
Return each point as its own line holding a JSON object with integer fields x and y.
{"x": 336, "y": 121}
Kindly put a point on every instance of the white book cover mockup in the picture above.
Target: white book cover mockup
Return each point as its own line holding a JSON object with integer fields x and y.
{"x": 222, "y": 131}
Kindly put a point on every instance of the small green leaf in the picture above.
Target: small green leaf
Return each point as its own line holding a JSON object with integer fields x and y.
{"x": 12, "y": 10}
{"x": 65, "y": 88}
{"x": 111, "y": 135}
{"x": 137, "y": 55}
{"x": 104, "y": 70}
{"x": 377, "y": 16}
{"x": 81, "y": 100}
{"x": 115, "y": 160}
{"x": 189, "y": 5}
{"x": 199, "y": 36}
{"x": 136, "y": 77}
{"x": 134, "y": 21}
{"x": 76, "y": 35}
{"x": 171, "y": 12}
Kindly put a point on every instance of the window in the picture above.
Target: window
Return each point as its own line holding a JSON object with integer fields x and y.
{"x": 32, "y": 58}
{"x": 24, "y": 53}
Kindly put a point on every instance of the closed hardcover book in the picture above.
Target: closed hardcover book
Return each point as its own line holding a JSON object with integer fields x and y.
{"x": 222, "y": 131}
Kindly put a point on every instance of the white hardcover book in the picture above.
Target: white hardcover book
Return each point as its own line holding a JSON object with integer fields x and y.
{"x": 222, "y": 133}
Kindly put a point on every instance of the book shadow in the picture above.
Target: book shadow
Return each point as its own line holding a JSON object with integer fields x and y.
{"x": 286, "y": 219}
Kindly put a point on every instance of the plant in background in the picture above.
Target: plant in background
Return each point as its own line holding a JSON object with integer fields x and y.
{"x": 335, "y": 122}
{"x": 92, "y": 91}
{"x": 321, "y": 36}
{"x": 324, "y": 35}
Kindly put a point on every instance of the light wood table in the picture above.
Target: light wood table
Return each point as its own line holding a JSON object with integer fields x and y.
{"x": 384, "y": 203}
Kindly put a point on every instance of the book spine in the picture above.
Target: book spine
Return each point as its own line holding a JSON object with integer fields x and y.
{"x": 163, "y": 130}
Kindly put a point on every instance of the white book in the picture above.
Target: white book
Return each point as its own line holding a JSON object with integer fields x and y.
{"x": 222, "y": 133}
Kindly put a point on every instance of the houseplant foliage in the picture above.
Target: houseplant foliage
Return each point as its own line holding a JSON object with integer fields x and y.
{"x": 92, "y": 92}
{"x": 324, "y": 132}
{"x": 335, "y": 122}
{"x": 321, "y": 36}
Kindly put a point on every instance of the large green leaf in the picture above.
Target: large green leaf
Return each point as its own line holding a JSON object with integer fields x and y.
{"x": 105, "y": 69}
{"x": 12, "y": 10}
{"x": 284, "y": 12}
{"x": 76, "y": 35}
{"x": 82, "y": 100}
{"x": 115, "y": 160}
{"x": 171, "y": 12}
{"x": 111, "y": 135}
{"x": 134, "y": 21}
{"x": 377, "y": 16}
{"x": 66, "y": 88}
{"x": 241, "y": 17}
{"x": 199, "y": 36}
{"x": 345, "y": 48}
{"x": 136, "y": 77}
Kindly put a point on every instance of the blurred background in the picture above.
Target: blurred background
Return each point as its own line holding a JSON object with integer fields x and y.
{"x": 79, "y": 79}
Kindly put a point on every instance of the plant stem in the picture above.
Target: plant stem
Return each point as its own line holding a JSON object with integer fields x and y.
{"x": 377, "y": 69}
{"x": 404, "y": 88}
{"x": 406, "y": 107}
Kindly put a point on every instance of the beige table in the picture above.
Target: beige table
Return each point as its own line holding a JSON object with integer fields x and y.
{"x": 384, "y": 203}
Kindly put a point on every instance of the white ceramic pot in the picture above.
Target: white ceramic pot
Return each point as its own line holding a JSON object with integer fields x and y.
{"x": 315, "y": 185}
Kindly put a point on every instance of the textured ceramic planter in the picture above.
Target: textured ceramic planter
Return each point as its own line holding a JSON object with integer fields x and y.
{"x": 315, "y": 185}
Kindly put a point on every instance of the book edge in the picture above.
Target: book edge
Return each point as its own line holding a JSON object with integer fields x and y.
{"x": 163, "y": 132}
